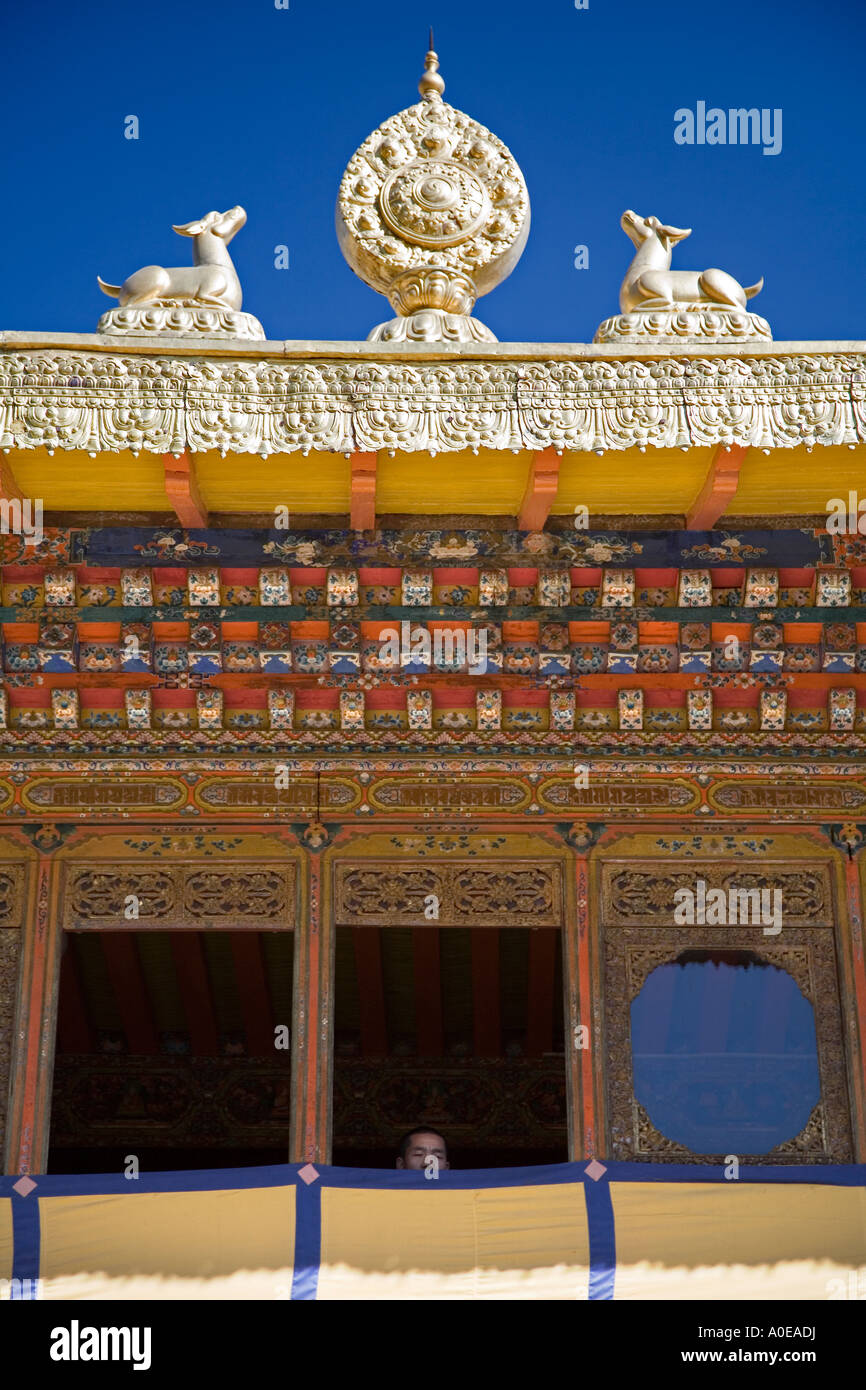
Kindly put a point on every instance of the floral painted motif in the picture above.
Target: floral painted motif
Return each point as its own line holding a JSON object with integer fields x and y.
{"x": 23, "y": 594}
{"x": 843, "y": 708}
{"x": 174, "y": 545}
{"x": 281, "y": 708}
{"x": 802, "y": 656}
{"x": 595, "y": 719}
{"x": 762, "y": 588}
{"x": 419, "y": 706}
{"x": 520, "y": 657}
{"x": 737, "y": 660}
{"x": 204, "y": 587}
{"x": 493, "y": 587}
{"x": 807, "y": 719}
{"x": 834, "y": 589}
{"x": 136, "y": 588}
{"x": 531, "y": 718}
{"x": 665, "y": 719}
{"x": 351, "y": 709}
{"x": 773, "y": 707}
{"x": 99, "y": 656}
{"x": 617, "y": 589}
{"x": 310, "y": 655}
{"x": 630, "y": 704}
{"x": 342, "y": 587}
{"x": 417, "y": 588}
{"x": 453, "y": 719}
{"x": 589, "y": 658}
{"x": 209, "y": 705}
{"x": 241, "y": 656}
{"x": 730, "y": 550}
{"x": 554, "y": 588}
{"x": 658, "y": 656}
{"x": 488, "y": 709}
{"x": 695, "y": 637}
{"x": 274, "y": 587}
{"x": 457, "y": 594}
{"x": 386, "y": 719}
{"x": 695, "y": 589}
{"x": 59, "y": 587}
{"x": 138, "y": 708}
{"x": 104, "y": 595}
{"x": 699, "y": 704}
{"x": 239, "y": 595}
{"x": 562, "y": 703}
{"x": 65, "y": 708}
{"x": 624, "y": 636}
{"x": 169, "y": 658}
{"x": 767, "y": 637}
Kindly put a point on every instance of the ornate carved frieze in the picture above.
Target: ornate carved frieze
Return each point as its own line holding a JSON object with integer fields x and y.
{"x": 637, "y": 893}
{"x": 245, "y": 794}
{"x": 107, "y": 402}
{"x": 115, "y": 896}
{"x": 466, "y": 893}
{"x": 804, "y": 798}
{"x": 169, "y": 1100}
{"x": 449, "y": 794}
{"x": 182, "y": 1100}
{"x": 435, "y": 787}
{"x": 610, "y": 795}
{"x": 105, "y": 794}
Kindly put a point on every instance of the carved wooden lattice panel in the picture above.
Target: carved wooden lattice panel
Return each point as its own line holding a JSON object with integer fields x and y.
{"x": 637, "y": 910}
{"x": 10, "y": 955}
{"x": 13, "y": 894}
{"x": 470, "y": 894}
{"x": 242, "y": 895}
{"x": 641, "y": 893}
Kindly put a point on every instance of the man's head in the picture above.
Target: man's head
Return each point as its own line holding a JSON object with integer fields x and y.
{"x": 419, "y": 1145}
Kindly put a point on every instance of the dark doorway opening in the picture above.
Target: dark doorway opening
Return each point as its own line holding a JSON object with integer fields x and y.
{"x": 167, "y": 1051}
{"x": 457, "y": 1028}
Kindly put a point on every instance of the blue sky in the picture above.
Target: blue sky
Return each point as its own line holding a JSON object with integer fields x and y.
{"x": 239, "y": 101}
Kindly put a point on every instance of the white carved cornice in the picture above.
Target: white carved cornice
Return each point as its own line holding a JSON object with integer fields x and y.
{"x": 345, "y": 397}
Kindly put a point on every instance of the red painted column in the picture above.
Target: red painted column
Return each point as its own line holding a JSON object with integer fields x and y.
{"x": 857, "y": 1016}
{"x": 310, "y": 1140}
{"x": 35, "y": 1029}
{"x": 583, "y": 1061}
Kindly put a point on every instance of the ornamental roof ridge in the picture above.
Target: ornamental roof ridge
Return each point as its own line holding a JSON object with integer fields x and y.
{"x": 306, "y": 397}
{"x": 172, "y": 345}
{"x": 432, "y": 211}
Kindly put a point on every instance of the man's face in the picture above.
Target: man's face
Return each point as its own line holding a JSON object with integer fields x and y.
{"x": 421, "y": 1146}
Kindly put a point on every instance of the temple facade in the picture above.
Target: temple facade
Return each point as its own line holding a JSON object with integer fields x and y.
{"x": 429, "y": 729}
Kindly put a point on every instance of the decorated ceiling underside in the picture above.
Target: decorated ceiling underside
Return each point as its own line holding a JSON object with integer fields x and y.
{"x": 127, "y": 638}
{"x": 384, "y": 620}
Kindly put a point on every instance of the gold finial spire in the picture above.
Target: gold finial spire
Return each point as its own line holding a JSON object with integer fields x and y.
{"x": 432, "y": 212}
{"x": 431, "y": 85}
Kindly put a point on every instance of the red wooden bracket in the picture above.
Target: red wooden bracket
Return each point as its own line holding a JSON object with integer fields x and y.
{"x": 722, "y": 480}
{"x": 363, "y": 506}
{"x": 9, "y": 489}
{"x": 181, "y": 488}
{"x": 541, "y": 488}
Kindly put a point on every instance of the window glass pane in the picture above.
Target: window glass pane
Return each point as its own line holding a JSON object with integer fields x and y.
{"x": 724, "y": 1053}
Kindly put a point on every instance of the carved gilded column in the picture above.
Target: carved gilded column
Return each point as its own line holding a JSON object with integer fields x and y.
{"x": 310, "y": 1140}
{"x": 32, "y": 1061}
{"x": 851, "y": 838}
{"x": 583, "y": 1011}
{"x": 10, "y": 958}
